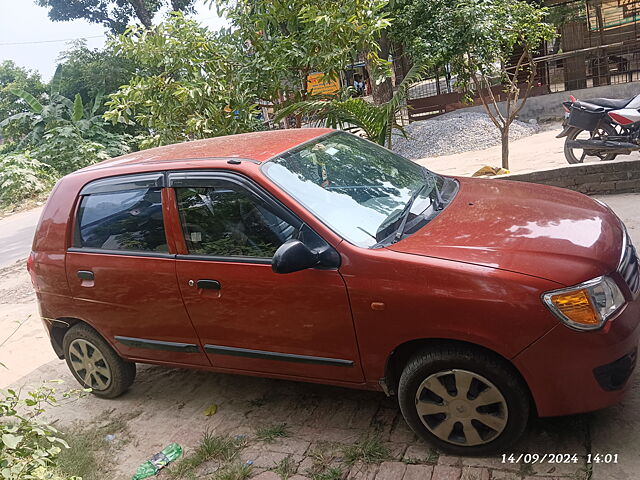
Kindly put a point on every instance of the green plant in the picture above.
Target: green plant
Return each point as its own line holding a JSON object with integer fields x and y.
{"x": 29, "y": 447}
{"x": 286, "y": 467}
{"x": 22, "y": 177}
{"x": 369, "y": 449}
{"x": 221, "y": 448}
{"x": 332, "y": 473}
{"x": 286, "y": 41}
{"x": 354, "y": 113}
{"x": 233, "y": 471}
{"x": 89, "y": 452}
{"x": 190, "y": 83}
{"x": 268, "y": 433}
{"x": 487, "y": 45}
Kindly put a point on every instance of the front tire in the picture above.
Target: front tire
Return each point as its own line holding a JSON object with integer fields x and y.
{"x": 464, "y": 401}
{"x": 574, "y": 155}
{"x": 95, "y": 364}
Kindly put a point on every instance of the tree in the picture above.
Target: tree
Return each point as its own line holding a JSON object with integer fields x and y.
{"x": 488, "y": 45}
{"x": 113, "y": 14}
{"x": 11, "y": 77}
{"x": 92, "y": 72}
{"x": 289, "y": 39}
{"x": 190, "y": 83}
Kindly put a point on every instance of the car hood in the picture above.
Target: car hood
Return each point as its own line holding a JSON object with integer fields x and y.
{"x": 547, "y": 232}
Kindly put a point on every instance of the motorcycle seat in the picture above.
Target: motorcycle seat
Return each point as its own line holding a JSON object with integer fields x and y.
{"x": 610, "y": 102}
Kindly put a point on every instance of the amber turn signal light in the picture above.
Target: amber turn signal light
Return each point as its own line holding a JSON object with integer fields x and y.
{"x": 577, "y": 306}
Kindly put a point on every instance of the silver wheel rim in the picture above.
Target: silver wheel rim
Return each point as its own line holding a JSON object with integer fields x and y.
{"x": 89, "y": 364}
{"x": 461, "y": 407}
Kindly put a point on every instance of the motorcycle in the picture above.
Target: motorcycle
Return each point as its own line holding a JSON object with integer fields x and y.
{"x": 600, "y": 127}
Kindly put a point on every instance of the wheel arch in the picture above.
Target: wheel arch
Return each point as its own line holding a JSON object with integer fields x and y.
{"x": 59, "y": 328}
{"x": 400, "y": 355}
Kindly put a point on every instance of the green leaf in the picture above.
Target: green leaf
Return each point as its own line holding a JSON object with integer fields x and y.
{"x": 34, "y": 104}
{"x": 11, "y": 441}
{"x": 78, "y": 109}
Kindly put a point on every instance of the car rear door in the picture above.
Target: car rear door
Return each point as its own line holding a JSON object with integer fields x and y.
{"x": 248, "y": 317}
{"x": 122, "y": 273}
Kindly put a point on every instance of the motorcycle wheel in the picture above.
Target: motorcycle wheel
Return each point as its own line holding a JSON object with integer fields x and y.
{"x": 577, "y": 155}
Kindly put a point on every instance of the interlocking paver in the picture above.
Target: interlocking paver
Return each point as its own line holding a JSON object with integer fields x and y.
{"x": 391, "y": 471}
{"x": 444, "y": 472}
{"x": 418, "y": 472}
{"x": 474, "y": 473}
{"x": 418, "y": 453}
{"x": 362, "y": 471}
{"x": 448, "y": 460}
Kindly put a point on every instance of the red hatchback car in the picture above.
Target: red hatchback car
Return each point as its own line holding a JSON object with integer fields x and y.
{"x": 315, "y": 255}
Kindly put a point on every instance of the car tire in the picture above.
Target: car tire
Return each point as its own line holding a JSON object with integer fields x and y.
{"x": 455, "y": 423}
{"x": 95, "y": 364}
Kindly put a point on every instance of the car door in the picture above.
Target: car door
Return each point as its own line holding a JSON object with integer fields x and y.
{"x": 122, "y": 274}
{"x": 248, "y": 317}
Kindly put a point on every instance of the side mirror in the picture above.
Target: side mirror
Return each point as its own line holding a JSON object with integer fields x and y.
{"x": 293, "y": 256}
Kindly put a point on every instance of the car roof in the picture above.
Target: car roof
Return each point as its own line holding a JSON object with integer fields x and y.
{"x": 256, "y": 146}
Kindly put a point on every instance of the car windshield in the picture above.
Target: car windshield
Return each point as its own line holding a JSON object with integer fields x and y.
{"x": 367, "y": 194}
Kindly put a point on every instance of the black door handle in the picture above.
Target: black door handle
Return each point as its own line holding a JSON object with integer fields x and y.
{"x": 85, "y": 274}
{"x": 208, "y": 284}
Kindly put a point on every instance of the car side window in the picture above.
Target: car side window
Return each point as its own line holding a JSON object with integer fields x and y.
{"x": 128, "y": 220}
{"x": 225, "y": 219}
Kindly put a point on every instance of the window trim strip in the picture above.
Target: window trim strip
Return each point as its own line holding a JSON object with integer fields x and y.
{"x": 127, "y": 253}
{"x": 266, "y": 355}
{"x": 217, "y": 258}
{"x": 157, "y": 344}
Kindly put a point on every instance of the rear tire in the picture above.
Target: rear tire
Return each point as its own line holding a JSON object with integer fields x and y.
{"x": 605, "y": 130}
{"x": 95, "y": 364}
{"x": 464, "y": 401}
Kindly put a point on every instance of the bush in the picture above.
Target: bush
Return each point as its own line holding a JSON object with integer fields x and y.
{"x": 28, "y": 446}
{"x": 22, "y": 177}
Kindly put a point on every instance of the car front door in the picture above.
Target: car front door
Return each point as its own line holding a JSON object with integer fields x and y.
{"x": 248, "y": 317}
{"x": 122, "y": 274}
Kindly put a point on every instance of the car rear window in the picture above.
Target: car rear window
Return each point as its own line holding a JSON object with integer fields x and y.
{"x": 123, "y": 220}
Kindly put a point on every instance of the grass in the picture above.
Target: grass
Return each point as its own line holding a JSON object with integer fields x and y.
{"x": 369, "y": 449}
{"x": 332, "y": 473}
{"x": 233, "y": 471}
{"x": 260, "y": 401}
{"x": 222, "y": 448}
{"x": 269, "y": 433}
{"x": 325, "y": 455}
{"x": 286, "y": 467}
{"x": 90, "y": 453}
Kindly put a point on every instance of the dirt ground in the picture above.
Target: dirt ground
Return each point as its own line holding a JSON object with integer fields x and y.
{"x": 317, "y": 428}
{"x": 537, "y": 152}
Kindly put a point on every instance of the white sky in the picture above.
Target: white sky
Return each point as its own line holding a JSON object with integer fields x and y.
{"x": 23, "y": 21}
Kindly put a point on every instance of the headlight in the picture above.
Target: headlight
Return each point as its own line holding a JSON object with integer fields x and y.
{"x": 585, "y": 306}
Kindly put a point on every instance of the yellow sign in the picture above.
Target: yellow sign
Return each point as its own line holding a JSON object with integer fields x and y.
{"x": 319, "y": 84}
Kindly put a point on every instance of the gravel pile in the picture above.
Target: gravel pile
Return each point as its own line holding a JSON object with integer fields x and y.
{"x": 455, "y": 132}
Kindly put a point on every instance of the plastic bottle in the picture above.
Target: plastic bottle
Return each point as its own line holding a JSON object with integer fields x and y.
{"x": 160, "y": 460}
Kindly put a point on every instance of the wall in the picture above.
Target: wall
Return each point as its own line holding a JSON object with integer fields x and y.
{"x": 549, "y": 107}
{"x": 617, "y": 176}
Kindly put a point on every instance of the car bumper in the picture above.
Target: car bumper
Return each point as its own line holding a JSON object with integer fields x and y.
{"x": 571, "y": 372}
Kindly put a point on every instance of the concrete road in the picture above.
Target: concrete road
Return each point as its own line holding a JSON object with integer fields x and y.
{"x": 16, "y": 235}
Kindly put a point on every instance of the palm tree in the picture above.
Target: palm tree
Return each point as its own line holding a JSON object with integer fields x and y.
{"x": 345, "y": 112}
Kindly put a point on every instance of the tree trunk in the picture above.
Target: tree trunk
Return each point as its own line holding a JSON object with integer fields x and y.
{"x": 505, "y": 146}
{"x": 142, "y": 12}
{"x": 383, "y": 91}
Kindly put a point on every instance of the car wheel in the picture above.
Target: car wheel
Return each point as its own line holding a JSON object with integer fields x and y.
{"x": 95, "y": 364}
{"x": 464, "y": 401}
